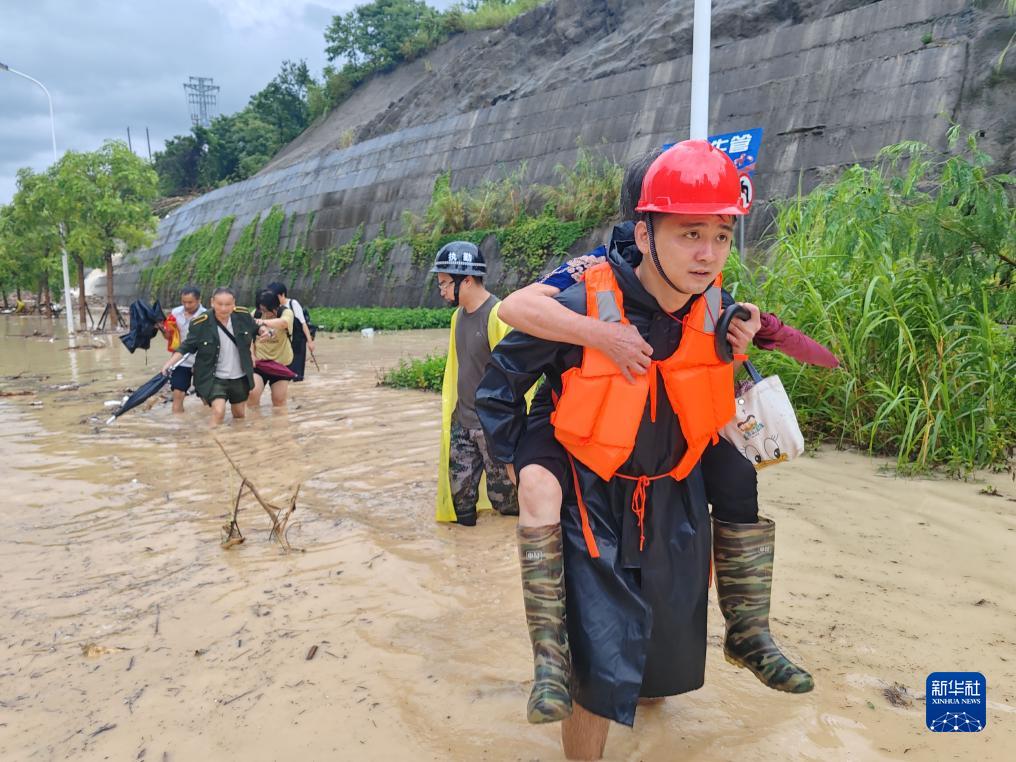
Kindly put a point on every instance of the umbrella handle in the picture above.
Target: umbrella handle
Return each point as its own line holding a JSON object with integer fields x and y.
{"x": 756, "y": 377}
{"x": 723, "y": 349}
{"x": 178, "y": 362}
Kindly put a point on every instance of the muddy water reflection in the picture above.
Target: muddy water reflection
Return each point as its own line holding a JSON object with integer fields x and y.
{"x": 110, "y": 537}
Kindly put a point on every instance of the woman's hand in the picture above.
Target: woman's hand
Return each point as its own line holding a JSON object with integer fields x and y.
{"x": 741, "y": 332}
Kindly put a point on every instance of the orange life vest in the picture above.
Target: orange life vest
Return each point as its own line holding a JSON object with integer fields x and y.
{"x": 598, "y": 413}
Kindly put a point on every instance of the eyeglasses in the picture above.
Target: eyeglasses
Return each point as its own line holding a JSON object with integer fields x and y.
{"x": 442, "y": 285}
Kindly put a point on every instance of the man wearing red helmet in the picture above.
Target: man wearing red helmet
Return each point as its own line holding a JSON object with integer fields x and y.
{"x": 635, "y": 520}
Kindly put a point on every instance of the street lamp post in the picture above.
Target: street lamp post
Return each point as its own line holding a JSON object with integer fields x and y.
{"x": 701, "y": 42}
{"x": 63, "y": 250}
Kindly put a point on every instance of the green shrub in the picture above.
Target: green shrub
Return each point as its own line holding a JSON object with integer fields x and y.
{"x": 905, "y": 271}
{"x": 380, "y": 318}
{"x": 427, "y": 374}
{"x": 528, "y": 244}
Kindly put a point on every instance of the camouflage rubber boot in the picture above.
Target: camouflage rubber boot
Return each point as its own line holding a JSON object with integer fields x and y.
{"x": 542, "y": 560}
{"x": 744, "y": 580}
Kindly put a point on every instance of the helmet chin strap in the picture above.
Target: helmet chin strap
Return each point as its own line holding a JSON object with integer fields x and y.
{"x": 656, "y": 259}
{"x": 457, "y": 280}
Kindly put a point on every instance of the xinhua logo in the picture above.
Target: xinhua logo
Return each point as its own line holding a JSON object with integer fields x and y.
{"x": 956, "y": 702}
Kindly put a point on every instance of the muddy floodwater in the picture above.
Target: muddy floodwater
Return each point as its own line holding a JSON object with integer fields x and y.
{"x": 128, "y": 633}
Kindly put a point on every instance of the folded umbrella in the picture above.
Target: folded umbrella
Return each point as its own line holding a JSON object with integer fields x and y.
{"x": 274, "y": 370}
{"x": 142, "y": 393}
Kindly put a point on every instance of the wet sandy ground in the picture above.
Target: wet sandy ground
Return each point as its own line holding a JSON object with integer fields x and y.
{"x": 129, "y": 634}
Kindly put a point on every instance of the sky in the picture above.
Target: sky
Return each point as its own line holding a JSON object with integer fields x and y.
{"x": 110, "y": 64}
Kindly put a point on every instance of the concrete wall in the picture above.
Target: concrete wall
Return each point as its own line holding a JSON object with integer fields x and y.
{"x": 828, "y": 92}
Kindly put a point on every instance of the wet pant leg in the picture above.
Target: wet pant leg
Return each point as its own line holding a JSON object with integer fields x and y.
{"x": 500, "y": 490}
{"x": 731, "y": 484}
{"x": 465, "y": 468}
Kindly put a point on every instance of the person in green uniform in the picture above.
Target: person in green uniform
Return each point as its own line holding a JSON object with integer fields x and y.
{"x": 221, "y": 342}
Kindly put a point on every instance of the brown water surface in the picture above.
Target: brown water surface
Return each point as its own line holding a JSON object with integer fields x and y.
{"x": 128, "y": 633}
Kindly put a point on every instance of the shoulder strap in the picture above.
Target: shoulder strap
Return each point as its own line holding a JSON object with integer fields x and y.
{"x": 604, "y": 300}
{"x": 226, "y": 331}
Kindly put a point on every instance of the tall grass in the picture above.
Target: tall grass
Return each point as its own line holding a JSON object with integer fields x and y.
{"x": 491, "y": 14}
{"x": 587, "y": 191}
{"x": 905, "y": 271}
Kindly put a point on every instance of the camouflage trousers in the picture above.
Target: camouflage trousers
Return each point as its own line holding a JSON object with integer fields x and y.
{"x": 468, "y": 461}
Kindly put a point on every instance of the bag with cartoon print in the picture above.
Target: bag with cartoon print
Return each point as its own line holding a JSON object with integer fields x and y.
{"x": 764, "y": 428}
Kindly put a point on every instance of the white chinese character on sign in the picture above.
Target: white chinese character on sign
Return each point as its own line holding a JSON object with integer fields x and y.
{"x": 938, "y": 687}
{"x": 740, "y": 143}
{"x": 720, "y": 143}
{"x": 972, "y": 688}
{"x": 957, "y": 688}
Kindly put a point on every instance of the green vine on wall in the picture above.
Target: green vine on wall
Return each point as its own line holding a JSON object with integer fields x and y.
{"x": 196, "y": 259}
{"x": 242, "y": 258}
{"x": 376, "y": 251}
{"x": 270, "y": 234}
{"x": 338, "y": 258}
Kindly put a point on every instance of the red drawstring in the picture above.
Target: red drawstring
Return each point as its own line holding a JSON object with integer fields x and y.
{"x": 638, "y": 505}
{"x": 638, "y": 500}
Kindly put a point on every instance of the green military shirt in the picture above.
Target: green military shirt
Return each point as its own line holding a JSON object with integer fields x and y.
{"x": 203, "y": 340}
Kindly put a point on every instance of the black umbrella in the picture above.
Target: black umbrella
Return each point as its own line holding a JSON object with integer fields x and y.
{"x": 144, "y": 325}
{"x": 146, "y": 390}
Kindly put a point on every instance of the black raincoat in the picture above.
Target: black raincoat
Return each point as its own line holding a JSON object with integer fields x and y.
{"x": 636, "y": 619}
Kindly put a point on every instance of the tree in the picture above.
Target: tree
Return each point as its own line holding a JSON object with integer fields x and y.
{"x": 31, "y": 237}
{"x": 238, "y": 146}
{"x": 282, "y": 103}
{"x": 378, "y": 34}
{"x": 103, "y": 198}
{"x": 8, "y": 265}
{"x": 179, "y": 165}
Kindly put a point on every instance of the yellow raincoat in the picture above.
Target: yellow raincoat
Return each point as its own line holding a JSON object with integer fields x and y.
{"x": 496, "y": 330}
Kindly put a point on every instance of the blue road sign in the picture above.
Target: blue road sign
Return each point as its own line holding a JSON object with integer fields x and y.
{"x": 742, "y": 147}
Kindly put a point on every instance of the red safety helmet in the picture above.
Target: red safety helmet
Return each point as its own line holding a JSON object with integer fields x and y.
{"x": 694, "y": 177}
